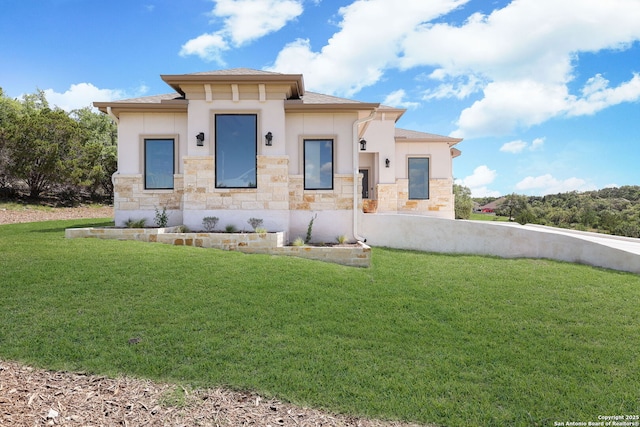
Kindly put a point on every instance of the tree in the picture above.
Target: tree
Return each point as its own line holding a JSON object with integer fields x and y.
{"x": 46, "y": 149}
{"x": 101, "y": 154}
{"x": 512, "y": 205}
{"x": 463, "y": 203}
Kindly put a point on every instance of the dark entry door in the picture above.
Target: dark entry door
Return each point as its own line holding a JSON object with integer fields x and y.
{"x": 365, "y": 183}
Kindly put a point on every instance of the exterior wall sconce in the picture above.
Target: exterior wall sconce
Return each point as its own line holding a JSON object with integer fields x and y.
{"x": 363, "y": 145}
{"x": 269, "y": 139}
{"x": 387, "y": 162}
{"x": 200, "y": 139}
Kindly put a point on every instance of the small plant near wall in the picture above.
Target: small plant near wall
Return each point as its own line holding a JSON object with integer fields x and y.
{"x": 255, "y": 223}
{"x": 310, "y": 229}
{"x": 182, "y": 229}
{"x": 231, "y": 228}
{"x": 135, "y": 223}
{"x": 298, "y": 242}
{"x": 209, "y": 223}
{"x": 162, "y": 217}
{"x": 341, "y": 239}
{"x": 261, "y": 230}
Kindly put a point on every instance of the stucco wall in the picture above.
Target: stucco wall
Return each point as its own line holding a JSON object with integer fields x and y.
{"x": 486, "y": 238}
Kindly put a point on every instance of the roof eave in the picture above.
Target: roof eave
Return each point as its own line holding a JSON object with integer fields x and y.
{"x": 294, "y": 80}
{"x": 166, "y": 106}
{"x": 291, "y": 106}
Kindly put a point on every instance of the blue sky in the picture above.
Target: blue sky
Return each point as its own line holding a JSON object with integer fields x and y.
{"x": 545, "y": 93}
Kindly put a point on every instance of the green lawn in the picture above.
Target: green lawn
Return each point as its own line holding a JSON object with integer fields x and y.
{"x": 488, "y": 217}
{"x": 450, "y": 340}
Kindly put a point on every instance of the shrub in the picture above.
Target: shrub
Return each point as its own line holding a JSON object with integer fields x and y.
{"x": 209, "y": 222}
{"x": 261, "y": 230}
{"x": 255, "y": 222}
{"x": 298, "y": 242}
{"x": 310, "y": 229}
{"x": 161, "y": 218}
{"x": 135, "y": 223}
{"x": 341, "y": 239}
{"x": 230, "y": 228}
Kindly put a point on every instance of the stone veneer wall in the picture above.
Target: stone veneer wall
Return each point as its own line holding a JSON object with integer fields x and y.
{"x": 271, "y": 193}
{"x": 129, "y": 194}
{"x": 340, "y": 198}
{"x": 395, "y": 198}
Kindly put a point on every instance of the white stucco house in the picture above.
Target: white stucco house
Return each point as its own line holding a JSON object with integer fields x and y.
{"x": 242, "y": 143}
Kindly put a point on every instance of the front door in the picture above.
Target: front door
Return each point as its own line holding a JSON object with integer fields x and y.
{"x": 365, "y": 183}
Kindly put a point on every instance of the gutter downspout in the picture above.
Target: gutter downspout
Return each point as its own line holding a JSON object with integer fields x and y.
{"x": 355, "y": 143}
{"x": 113, "y": 116}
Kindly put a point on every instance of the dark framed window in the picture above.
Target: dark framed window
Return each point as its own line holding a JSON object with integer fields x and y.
{"x": 159, "y": 163}
{"x": 236, "y": 150}
{"x": 318, "y": 164}
{"x": 418, "y": 178}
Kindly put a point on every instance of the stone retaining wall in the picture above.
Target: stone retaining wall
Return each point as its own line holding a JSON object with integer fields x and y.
{"x": 355, "y": 255}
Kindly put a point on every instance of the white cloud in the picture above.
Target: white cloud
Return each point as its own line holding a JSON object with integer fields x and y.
{"x": 518, "y": 146}
{"x": 84, "y": 94}
{"x": 460, "y": 89}
{"x": 548, "y": 184}
{"x": 537, "y": 144}
{"x": 243, "y": 22}
{"x": 514, "y": 147}
{"x": 396, "y": 99}
{"x": 368, "y": 42}
{"x": 526, "y": 52}
{"x": 207, "y": 46}
{"x": 478, "y": 181}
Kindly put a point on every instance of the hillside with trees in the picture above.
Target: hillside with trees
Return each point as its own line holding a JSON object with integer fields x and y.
{"x": 614, "y": 210}
{"x": 48, "y": 153}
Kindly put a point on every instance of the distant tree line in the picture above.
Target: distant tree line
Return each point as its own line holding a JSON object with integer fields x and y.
{"x": 47, "y": 152}
{"x": 611, "y": 210}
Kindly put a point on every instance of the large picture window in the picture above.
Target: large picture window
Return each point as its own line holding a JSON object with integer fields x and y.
{"x": 318, "y": 164}
{"x": 236, "y": 150}
{"x": 418, "y": 178}
{"x": 159, "y": 163}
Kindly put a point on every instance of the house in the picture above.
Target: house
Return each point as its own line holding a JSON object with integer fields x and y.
{"x": 242, "y": 143}
{"x": 492, "y": 206}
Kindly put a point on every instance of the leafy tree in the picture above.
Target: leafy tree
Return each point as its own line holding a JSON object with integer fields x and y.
{"x": 101, "y": 154}
{"x": 512, "y": 205}
{"x": 45, "y": 148}
{"x": 463, "y": 203}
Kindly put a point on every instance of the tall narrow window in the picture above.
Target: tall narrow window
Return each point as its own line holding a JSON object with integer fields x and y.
{"x": 159, "y": 163}
{"x": 318, "y": 164}
{"x": 236, "y": 150}
{"x": 418, "y": 177}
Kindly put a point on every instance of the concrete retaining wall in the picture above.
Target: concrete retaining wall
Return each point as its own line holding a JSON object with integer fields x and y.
{"x": 499, "y": 239}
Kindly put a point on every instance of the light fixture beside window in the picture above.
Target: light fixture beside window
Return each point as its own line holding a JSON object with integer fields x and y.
{"x": 200, "y": 139}
{"x": 363, "y": 145}
{"x": 387, "y": 162}
{"x": 269, "y": 139}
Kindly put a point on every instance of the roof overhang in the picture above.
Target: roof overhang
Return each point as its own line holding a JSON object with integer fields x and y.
{"x": 297, "y": 105}
{"x": 294, "y": 81}
{"x": 164, "y": 106}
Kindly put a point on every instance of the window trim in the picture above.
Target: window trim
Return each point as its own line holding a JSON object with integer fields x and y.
{"x": 303, "y": 140}
{"x": 214, "y": 131}
{"x": 409, "y": 158}
{"x": 143, "y": 158}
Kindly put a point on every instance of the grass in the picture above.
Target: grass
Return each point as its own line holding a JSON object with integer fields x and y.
{"x": 488, "y": 217}
{"x": 430, "y": 338}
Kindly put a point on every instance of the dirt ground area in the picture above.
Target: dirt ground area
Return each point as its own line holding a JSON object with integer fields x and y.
{"x": 11, "y": 216}
{"x": 35, "y": 397}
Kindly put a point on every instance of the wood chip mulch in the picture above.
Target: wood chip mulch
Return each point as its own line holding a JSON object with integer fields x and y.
{"x": 36, "y": 397}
